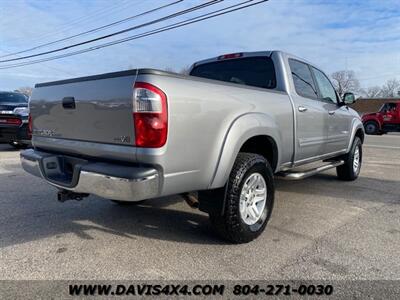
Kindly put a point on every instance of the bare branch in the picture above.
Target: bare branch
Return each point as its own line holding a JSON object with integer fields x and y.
{"x": 345, "y": 81}
{"x": 372, "y": 92}
{"x": 26, "y": 90}
{"x": 391, "y": 88}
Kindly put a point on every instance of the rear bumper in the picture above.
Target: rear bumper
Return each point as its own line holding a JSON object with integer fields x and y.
{"x": 14, "y": 134}
{"x": 107, "y": 180}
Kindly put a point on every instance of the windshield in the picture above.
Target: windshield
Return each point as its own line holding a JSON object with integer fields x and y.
{"x": 13, "y": 98}
{"x": 253, "y": 71}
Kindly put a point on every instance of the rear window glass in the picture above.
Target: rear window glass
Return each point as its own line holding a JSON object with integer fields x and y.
{"x": 302, "y": 78}
{"x": 253, "y": 71}
{"x": 13, "y": 98}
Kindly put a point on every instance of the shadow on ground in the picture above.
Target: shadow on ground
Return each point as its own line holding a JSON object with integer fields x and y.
{"x": 153, "y": 219}
{"x": 7, "y": 148}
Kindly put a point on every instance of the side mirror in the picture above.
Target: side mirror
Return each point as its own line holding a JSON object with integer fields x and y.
{"x": 349, "y": 98}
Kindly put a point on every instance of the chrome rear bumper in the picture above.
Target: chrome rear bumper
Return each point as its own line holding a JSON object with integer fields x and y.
{"x": 107, "y": 180}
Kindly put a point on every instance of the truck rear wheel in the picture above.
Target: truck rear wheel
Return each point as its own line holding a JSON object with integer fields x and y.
{"x": 352, "y": 162}
{"x": 248, "y": 201}
{"x": 371, "y": 127}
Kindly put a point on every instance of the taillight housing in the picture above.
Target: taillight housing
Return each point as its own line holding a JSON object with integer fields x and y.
{"x": 11, "y": 121}
{"x": 30, "y": 126}
{"x": 150, "y": 114}
{"x": 230, "y": 56}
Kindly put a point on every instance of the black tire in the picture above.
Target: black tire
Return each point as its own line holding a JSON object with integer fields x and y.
{"x": 230, "y": 225}
{"x": 371, "y": 127}
{"x": 346, "y": 171}
{"x": 128, "y": 202}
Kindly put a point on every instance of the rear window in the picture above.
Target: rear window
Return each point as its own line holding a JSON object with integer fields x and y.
{"x": 253, "y": 71}
{"x": 13, "y": 98}
{"x": 302, "y": 78}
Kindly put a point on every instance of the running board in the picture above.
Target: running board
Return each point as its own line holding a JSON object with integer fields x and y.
{"x": 287, "y": 175}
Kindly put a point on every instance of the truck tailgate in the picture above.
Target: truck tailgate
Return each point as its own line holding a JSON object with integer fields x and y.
{"x": 93, "y": 109}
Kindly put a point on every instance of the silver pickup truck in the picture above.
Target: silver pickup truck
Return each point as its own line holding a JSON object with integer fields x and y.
{"x": 217, "y": 136}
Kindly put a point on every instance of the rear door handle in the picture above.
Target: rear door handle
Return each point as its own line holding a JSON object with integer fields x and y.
{"x": 68, "y": 102}
{"x": 331, "y": 112}
{"x": 302, "y": 108}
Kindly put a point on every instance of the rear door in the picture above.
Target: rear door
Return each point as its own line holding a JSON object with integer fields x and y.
{"x": 311, "y": 116}
{"x": 339, "y": 118}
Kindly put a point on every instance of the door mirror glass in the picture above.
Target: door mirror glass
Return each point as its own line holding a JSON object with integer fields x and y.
{"x": 349, "y": 98}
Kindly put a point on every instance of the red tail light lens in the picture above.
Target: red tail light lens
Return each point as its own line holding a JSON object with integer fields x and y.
{"x": 230, "y": 56}
{"x": 11, "y": 121}
{"x": 30, "y": 126}
{"x": 150, "y": 115}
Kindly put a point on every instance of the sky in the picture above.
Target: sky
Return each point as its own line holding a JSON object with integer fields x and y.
{"x": 359, "y": 35}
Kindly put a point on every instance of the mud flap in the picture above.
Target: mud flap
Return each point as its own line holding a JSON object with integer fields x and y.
{"x": 212, "y": 201}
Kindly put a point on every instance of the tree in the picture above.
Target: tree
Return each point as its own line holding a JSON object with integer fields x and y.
{"x": 183, "y": 71}
{"x": 372, "y": 92}
{"x": 170, "y": 69}
{"x": 391, "y": 88}
{"x": 27, "y": 90}
{"x": 345, "y": 81}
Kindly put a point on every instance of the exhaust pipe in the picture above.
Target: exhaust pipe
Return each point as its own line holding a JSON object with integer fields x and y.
{"x": 65, "y": 195}
{"x": 191, "y": 200}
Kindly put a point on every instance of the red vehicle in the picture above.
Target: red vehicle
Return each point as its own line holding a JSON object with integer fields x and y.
{"x": 387, "y": 119}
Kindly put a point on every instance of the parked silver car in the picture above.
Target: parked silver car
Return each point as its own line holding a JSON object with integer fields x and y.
{"x": 224, "y": 131}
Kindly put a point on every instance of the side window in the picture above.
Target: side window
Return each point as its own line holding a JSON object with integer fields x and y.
{"x": 325, "y": 87}
{"x": 302, "y": 78}
{"x": 388, "y": 107}
{"x": 384, "y": 107}
{"x": 392, "y": 106}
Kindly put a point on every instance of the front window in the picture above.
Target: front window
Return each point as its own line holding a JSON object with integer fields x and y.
{"x": 325, "y": 87}
{"x": 253, "y": 71}
{"x": 388, "y": 107}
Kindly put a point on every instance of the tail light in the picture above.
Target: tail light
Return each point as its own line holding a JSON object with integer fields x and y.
{"x": 230, "y": 56}
{"x": 30, "y": 126}
{"x": 11, "y": 121}
{"x": 150, "y": 115}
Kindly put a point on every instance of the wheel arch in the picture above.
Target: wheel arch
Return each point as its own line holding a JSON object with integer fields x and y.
{"x": 245, "y": 134}
{"x": 361, "y": 134}
{"x": 375, "y": 120}
{"x": 263, "y": 145}
{"x": 357, "y": 130}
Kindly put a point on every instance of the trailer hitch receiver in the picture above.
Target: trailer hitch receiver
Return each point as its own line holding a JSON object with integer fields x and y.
{"x": 65, "y": 195}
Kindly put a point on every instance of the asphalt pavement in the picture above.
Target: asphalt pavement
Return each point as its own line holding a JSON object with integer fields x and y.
{"x": 321, "y": 228}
